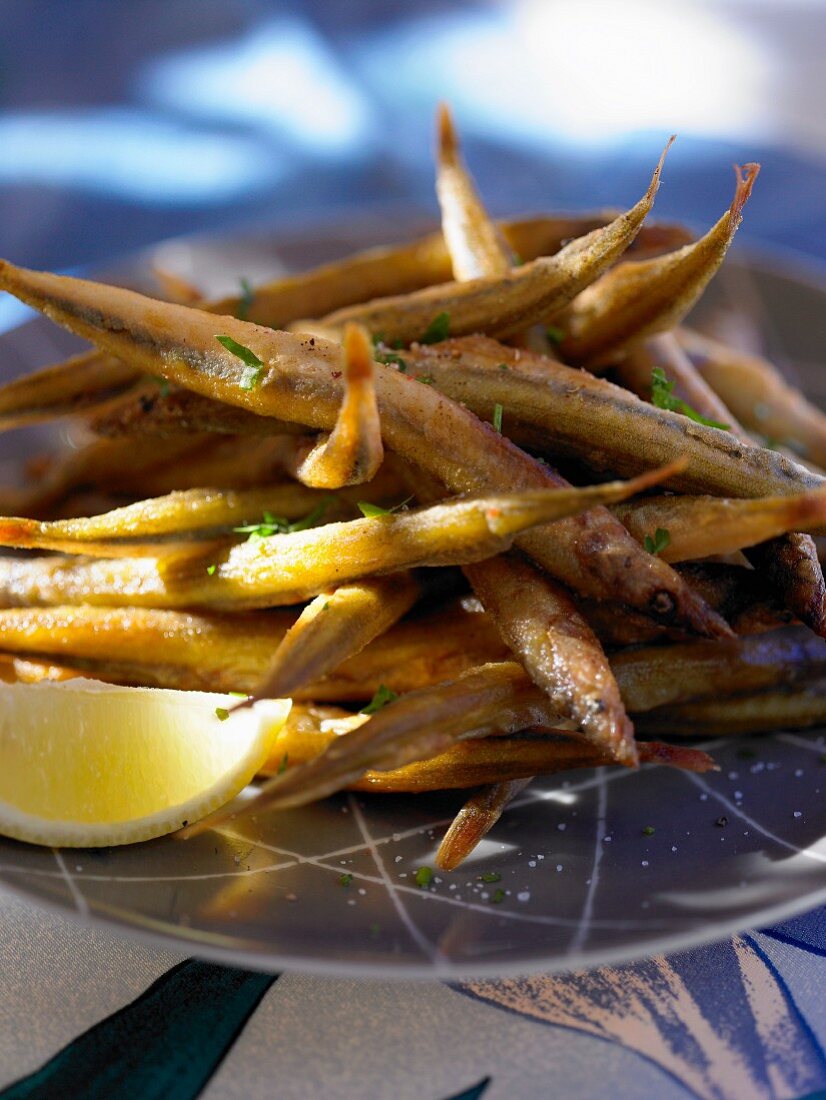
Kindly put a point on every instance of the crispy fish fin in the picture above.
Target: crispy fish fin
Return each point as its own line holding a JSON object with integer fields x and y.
{"x": 474, "y": 821}
{"x": 476, "y": 246}
{"x": 705, "y": 526}
{"x": 353, "y": 452}
{"x": 509, "y": 303}
{"x": 636, "y": 300}
{"x": 334, "y": 627}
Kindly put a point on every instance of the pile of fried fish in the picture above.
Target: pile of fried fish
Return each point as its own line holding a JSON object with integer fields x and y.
{"x": 388, "y": 489}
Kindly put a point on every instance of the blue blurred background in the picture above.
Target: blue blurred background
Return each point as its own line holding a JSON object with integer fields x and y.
{"x": 123, "y": 122}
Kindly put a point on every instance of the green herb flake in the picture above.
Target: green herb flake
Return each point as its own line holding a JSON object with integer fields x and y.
{"x": 491, "y": 876}
{"x": 437, "y": 330}
{"x": 426, "y": 379}
{"x": 250, "y": 377}
{"x": 497, "y": 418}
{"x": 656, "y": 544}
{"x": 255, "y": 366}
{"x": 326, "y": 606}
{"x": 392, "y": 357}
{"x": 279, "y": 525}
{"x": 554, "y": 335}
{"x": 245, "y": 300}
{"x": 424, "y": 877}
{"x": 503, "y": 366}
{"x": 662, "y": 397}
{"x": 221, "y": 713}
{"x": 345, "y": 879}
{"x": 382, "y": 697}
{"x": 498, "y": 896}
{"x": 648, "y": 830}
{"x": 238, "y": 694}
{"x": 163, "y": 384}
{"x": 282, "y": 767}
{"x": 370, "y": 511}
{"x": 211, "y": 570}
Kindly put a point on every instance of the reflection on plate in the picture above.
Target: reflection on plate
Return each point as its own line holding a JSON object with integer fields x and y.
{"x": 581, "y": 882}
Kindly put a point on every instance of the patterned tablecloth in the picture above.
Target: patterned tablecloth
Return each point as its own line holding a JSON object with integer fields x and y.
{"x": 84, "y": 1014}
{"x": 124, "y": 123}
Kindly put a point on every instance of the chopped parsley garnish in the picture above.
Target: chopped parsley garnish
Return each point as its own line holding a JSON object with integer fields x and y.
{"x": 424, "y": 877}
{"x": 648, "y": 830}
{"x": 388, "y": 357}
{"x": 437, "y": 330}
{"x": 163, "y": 383}
{"x": 504, "y": 366}
{"x": 491, "y": 876}
{"x": 221, "y": 713}
{"x": 282, "y": 767}
{"x": 369, "y": 510}
{"x": 382, "y": 697}
{"x": 497, "y": 417}
{"x": 498, "y": 896}
{"x": 345, "y": 879}
{"x": 554, "y": 335}
{"x": 426, "y": 379}
{"x": 662, "y": 397}
{"x": 245, "y": 301}
{"x": 278, "y": 525}
{"x": 658, "y": 543}
{"x": 326, "y": 606}
{"x": 238, "y": 694}
{"x": 255, "y": 366}
{"x": 211, "y": 569}
{"x": 270, "y": 525}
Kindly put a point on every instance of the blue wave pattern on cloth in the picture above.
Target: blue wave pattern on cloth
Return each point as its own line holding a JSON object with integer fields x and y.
{"x": 166, "y": 1043}
{"x": 720, "y": 1020}
{"x": 807, "y": 932}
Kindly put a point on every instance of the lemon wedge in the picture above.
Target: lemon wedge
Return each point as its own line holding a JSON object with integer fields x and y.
{"x": 85, "y": 764}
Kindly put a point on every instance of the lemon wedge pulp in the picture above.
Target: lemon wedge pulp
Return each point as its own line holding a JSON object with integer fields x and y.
{"x": 85, "y": 764}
